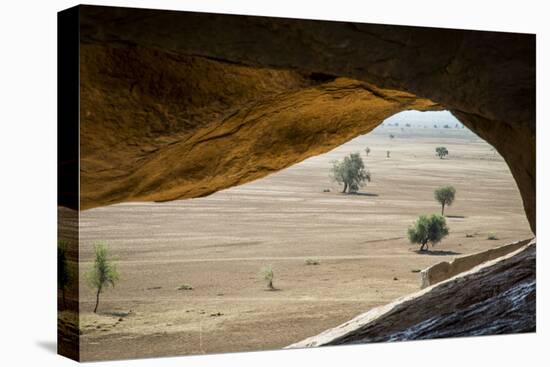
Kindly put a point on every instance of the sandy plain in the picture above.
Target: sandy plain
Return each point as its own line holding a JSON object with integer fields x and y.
{"x": 219, "y": 243}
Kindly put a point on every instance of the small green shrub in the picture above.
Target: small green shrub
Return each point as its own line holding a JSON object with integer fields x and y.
{"x": 492, "y": 236}
{"x": 268, "y": 275}
{"x": 63, "y": 274}
{"x": 185, "y": 287}
{"x": 312, "y": 262}
{"x": 103, "y": 273}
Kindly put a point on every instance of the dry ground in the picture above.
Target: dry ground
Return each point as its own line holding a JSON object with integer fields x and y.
{"x": 219, "y": 243}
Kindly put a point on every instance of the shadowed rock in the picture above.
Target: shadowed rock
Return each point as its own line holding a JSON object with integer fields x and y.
{"x": 158, "y": 127}
{"x": 496, "y": 297}
{"x": 447, "y": 269}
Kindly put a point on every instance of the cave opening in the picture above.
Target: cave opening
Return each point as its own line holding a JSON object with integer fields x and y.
{"x": 332, "y": 255}
{"x": 204, "y": 160}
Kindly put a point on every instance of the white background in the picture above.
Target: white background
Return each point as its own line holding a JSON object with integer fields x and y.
{"x": 28, "y": 181}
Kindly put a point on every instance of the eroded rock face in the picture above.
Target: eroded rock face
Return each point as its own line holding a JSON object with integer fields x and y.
{"x": 447, "y": 269}
{"x": 179, "y": 105}
{"x": 157, "y": 126}
{"x": 497, "y": 297}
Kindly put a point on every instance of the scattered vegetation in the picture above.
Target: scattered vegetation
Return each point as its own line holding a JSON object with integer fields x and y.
{"x": 469, "y": 235}
{"x": 267, "y": 274}
{"x": 367, "y": 150}
{"x": 63, "y": 274}
{"x": 350, "y": 172}
{"x": 441, "y": 152}
{"x": 103, "y": 273}
{"x": 492, "y": 236}
{"x": 392, "y": 136}
{"x": 416, "y": 271}
{"x": 445, "y": 196}
{"x": 428, "y": 229}
{"x": 312, "y": 262}
{"x": 185, "y": 287}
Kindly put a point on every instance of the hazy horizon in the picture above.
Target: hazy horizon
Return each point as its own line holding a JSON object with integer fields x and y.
{"x": 428, "y": 118}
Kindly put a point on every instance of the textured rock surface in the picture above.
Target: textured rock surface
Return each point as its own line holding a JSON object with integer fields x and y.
{"x": 157, "y": 126}
{"x": 447, "y": 269}
{"x": 277, "y": 118}
{"x": 496, "y": 297}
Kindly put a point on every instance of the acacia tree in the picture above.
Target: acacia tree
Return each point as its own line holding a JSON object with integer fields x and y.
{"x": 104, "y": 272}
{"x": 441, "y": 152}
{"x": 350, "y": 172}
{"x": 63, "y": 275}
{"x": 428, "y": 229}
{"x": 445, "y": 196}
